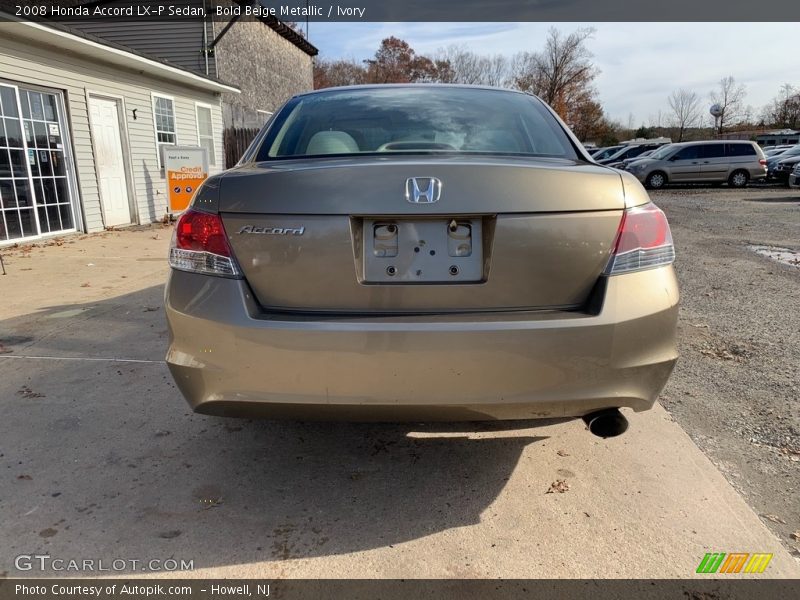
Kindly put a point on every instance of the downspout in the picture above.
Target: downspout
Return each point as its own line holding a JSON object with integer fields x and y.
{"x": 205, "y": 37}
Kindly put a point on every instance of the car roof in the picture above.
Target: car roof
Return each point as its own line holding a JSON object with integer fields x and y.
{"x": 713, "y": 142}
{"x": 432, "y": 86}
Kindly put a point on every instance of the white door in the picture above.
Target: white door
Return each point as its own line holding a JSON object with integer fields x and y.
{"x": 110, "y": 161}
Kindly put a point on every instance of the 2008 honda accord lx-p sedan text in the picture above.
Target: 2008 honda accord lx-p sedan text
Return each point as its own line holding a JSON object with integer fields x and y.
{"x": 420, "y": 253}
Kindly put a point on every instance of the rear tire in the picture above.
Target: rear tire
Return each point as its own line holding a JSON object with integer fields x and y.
{"x": 656, "y": 180}
{"x": 739, "y": 179}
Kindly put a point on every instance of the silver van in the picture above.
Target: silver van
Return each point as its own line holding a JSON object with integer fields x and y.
{"x": 735, "y": 162}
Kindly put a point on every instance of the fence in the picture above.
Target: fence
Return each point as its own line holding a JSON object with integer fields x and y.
{"x": 236, "y": 140}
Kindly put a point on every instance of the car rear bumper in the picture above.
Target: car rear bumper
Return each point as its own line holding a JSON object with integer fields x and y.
{"x": 229, "y": 358}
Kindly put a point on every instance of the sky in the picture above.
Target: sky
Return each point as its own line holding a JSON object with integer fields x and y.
{"x": 640, "y": 63}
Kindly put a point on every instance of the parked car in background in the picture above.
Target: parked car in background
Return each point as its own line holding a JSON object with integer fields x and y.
{"x": 604, "y": 153}
{"x": 427, "y": 282}
{"x": 775, "y": 150}
{"x": 784, "y": 168}
{"x": 629, "y": 151}
{"x": 772, "y": 162}
{"x": 734, "y": 162}
{"x": 794, "y": 178}
{"x": 624, "y": 164}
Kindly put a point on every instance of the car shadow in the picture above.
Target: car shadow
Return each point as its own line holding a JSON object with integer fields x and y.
{"x": 102, "y": 458}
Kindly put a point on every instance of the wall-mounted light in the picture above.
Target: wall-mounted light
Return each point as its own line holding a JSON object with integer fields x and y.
{"x": 134, "y": 113}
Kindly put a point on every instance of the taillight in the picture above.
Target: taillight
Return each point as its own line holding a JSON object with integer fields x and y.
{"x": 644, "y": 241}
{"x": 200, "y": 245}
{"x": 762, "y": 162}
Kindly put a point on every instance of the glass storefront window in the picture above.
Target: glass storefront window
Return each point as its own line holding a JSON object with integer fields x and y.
{"x": 34, "y": 190}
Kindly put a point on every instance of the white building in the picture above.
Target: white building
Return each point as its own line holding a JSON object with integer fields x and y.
{"x": 81, "y": 123}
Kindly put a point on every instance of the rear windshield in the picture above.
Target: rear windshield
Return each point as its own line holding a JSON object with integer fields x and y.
{"x": 409, "y": 120}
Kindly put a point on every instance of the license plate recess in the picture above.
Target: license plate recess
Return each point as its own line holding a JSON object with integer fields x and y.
{"x": 443, "y": 250}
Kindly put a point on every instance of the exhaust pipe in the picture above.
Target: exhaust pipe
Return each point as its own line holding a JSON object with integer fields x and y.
{"x": 606, "y": 423}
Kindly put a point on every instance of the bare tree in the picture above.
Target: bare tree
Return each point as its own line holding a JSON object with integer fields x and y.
{"x": 686, "y": 111}
{"x": 470, "y": 68}
{"x": 730, "y": 99}
{"x": 561, "y": 73}
{"x": 463, "y": 63}
{"x": 496, "y": 70}
{"x": 784, "y": 110}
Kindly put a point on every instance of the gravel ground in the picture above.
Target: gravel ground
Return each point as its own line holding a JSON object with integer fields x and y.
{"x": 736, "y": 388}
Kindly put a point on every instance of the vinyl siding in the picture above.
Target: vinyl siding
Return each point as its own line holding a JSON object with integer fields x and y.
{"x": 179, "y": 41}
{"x": 22, "y": 62}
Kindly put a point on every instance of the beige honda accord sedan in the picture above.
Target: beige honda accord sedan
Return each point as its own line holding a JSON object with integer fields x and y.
{"x": 421, "y": 252}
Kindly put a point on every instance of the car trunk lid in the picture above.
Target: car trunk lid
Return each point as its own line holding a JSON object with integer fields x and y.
{"x": 505, "y": 234}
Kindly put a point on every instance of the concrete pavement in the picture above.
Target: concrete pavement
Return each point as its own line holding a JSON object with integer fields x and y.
{"x": 102, "y": 459}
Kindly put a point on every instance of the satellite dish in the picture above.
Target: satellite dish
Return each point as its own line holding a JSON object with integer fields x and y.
{"x": 716, "y": 111}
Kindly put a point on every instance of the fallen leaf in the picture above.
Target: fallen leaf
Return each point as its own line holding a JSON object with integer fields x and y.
{"x": 796, "y": 535}
{"x": 27, "y": 392}
{"x": 774, "y": 519}
{"x": 562, "y": 453}
{"x": 24, "y": 477}
{"x": 560, "y": 486}
{"x": 87, "y": 284}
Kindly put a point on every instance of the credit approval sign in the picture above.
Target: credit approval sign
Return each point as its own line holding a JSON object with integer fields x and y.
{"x": 186, "y": 168}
